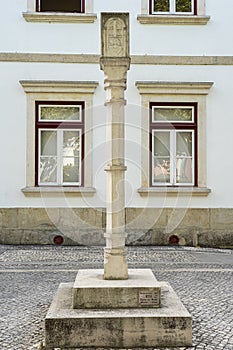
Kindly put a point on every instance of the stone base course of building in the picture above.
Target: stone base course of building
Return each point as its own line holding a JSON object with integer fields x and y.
{"x": 206, "y": 227}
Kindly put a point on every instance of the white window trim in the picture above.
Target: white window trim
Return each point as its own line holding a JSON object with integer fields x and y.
{"x": 173, "y": 92}
{"x": 173, "y": 121}
{"x": 172, "y": 6}
{"x": 174, "y": 19}
{"x": 58, "y": 91}
{"x": 59, "y": 181}
{"x": 172, "y": 158}
{"x": 60, "y": 120}
{"x": 57, "y": 17}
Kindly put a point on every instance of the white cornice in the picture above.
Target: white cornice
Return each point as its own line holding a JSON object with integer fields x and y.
{"x": 59, "y": 86}
{"x": 167, "y": 87}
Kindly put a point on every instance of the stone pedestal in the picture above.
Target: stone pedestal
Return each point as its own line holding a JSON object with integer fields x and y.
{"x": 138, "y": 312}
{"x": 92, "y": 291}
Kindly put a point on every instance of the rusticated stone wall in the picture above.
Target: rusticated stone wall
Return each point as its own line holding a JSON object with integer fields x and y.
{"x": 145, "y": 226}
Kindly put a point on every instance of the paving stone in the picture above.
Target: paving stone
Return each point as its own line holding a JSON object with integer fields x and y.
{"x": 30, "y": 276}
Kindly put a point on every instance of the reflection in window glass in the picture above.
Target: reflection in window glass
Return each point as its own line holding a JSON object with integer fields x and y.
{"x": 48, "y": 143}
{"x": 173, "y": 114}
{"x": 183, "y": 6}
{"x": 60, "y": 5}
{"x": 48, "y": 169}
{"x": 71, "y": 156}
{"x": 162, "y": 144}
{"x": 161, "y": 157}
{"x": 161, "y": 6}
{"x": 162, "y": 169}
{"x": 60, "y": 113}
{"x": 173, "y": 143}
{"x": 184, "y": 152}
{"x": 184, "y": 170}
{"x": 184, "y": 142}
{"x": 172, "y": 6}
{"x": 60, "y": 135}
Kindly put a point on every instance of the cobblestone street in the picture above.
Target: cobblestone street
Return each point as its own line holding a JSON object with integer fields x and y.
{"x": 30, "y": 275}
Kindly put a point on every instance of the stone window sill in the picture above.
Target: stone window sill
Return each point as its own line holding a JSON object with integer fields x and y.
{"x": 174, "y": 191}
{"x": 59, "y": 17}
{"x": 75, "y": 191}
{"x": 173, "y": 19}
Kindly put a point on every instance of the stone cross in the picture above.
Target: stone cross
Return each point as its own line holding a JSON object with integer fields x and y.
{"x": 115, "y": 62}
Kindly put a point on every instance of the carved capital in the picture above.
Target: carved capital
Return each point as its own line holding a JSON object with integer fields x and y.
{"x": 115, "y": 71}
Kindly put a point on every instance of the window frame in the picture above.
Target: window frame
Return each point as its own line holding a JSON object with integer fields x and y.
{"x": 173, "y": 127}
{"x": 172, "y": 4}
{"x": 81, "y": 1}
{"x": 60, "y": 126}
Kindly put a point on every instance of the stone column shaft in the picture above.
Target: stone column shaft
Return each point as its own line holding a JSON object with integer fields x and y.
{"x": 115, "y": 254}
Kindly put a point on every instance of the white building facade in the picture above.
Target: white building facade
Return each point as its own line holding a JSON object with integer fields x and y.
{"x": 178, "y": 122}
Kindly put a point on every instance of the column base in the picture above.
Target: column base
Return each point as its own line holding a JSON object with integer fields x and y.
{"x": 143, "y": 327}
{"x": 115, "y": 264}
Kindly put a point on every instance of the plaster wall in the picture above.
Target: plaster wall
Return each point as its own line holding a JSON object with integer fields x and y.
{"x": 13, "y": 134}
{"x": 210, "y": 39}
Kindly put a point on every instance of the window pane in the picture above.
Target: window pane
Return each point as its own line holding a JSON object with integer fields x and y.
{"x": 71, "y": 156}
{"x": 183, "y": 5}
{"x": 161, "y": 170}
{"x": 184, "y": 153}
{"x": 48, "y": 169}
{"x": 173, "y": 114}
{"x": 161, "y": 5}
{"x": 71, "y": 169}
{"x": 71, "y": 143}
{"x": 162, "y": 144}
{"x": 184, "y": 170}
{"x": 184, "y": 142}
{"x": 60, "y": 5}
{"x": 48, "y": 143}
{"x": 60, "y": 113}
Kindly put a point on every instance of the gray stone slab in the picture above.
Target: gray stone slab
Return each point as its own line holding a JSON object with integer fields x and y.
{"x": 140, "y": 290}
{"x": 170, "y": 325}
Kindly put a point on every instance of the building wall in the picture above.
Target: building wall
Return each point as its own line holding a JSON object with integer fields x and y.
{"x": 184, "y": 49}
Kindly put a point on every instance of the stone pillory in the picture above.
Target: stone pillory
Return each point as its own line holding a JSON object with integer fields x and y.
{"x": 116, "y": 307}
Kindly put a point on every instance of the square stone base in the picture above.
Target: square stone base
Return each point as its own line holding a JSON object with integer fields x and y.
{"x": 167, "y": 326}
{"x": 92, "y": 291}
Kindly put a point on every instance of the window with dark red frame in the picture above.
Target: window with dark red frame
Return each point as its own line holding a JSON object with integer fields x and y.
{"x": 185, "y": 7}
{"x": 60, "y": 6}
{"x": 173, "y": 144}
{"x": 59, "y": 143}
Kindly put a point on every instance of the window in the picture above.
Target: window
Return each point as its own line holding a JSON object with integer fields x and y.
{"x": 174, "y": 12}
{"x": 173, "y": 141}
{"x": 173, "y": 137}
{"x": 59, "y": 137}
{"x": 60, "y": 6}
{"x": 173, "y": 7}
{"x": 60, "y": 11}
{"x": 59, "y": 143}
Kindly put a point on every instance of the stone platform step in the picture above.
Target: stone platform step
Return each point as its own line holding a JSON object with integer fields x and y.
{"x": 168, "y": 326}
{"x": 140, "y": 290}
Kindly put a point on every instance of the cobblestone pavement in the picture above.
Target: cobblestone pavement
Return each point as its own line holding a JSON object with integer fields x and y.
{"x": 30, "y": 275}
